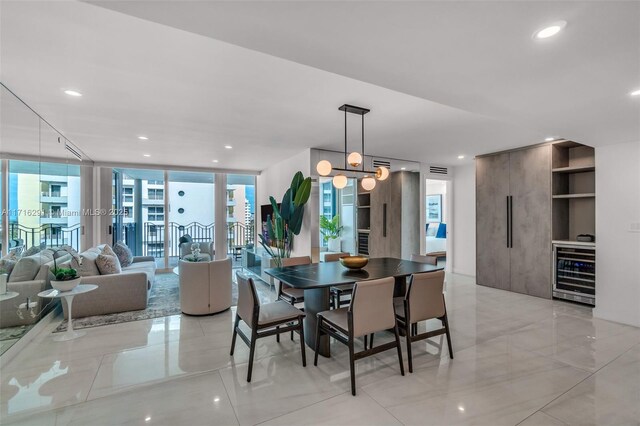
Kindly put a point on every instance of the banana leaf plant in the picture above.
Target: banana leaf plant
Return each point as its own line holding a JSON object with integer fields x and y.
{"x": 286, "y": 221}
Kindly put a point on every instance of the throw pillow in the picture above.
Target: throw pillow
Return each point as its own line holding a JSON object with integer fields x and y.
{"x": 7, "y": 265}
{"x": 125, "y": 256}
{"x": 107, "y": 262}
{"x": 31, "y": 251}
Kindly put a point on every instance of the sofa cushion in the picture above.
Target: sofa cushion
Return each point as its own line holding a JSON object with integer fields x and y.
{"x": 125, "y": 256}
{"x": 27, "y": 267}
{"x": 107, "y": 262}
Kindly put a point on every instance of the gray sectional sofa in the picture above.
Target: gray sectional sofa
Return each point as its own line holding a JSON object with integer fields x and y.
{"x": 126, "y": 291}
{"x": 30, "y": 276}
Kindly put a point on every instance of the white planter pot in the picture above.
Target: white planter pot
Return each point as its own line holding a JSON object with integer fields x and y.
{"x": 3, "y": 283}
{"x": 65, "y": 285}
{"x": 334, "y": 245}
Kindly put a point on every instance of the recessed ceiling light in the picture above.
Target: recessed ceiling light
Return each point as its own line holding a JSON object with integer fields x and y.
{"x": 147, "y": 155}
{"x": 403, "y": 168}
{"x": 214, "y": 161}
{"x": 550, "y": 30}
{"x": 73, "y": 93}
{"x": 460, "y": 157}
{"x": 228, "y": 146}
{"x": 143, "y": 138}
{"x": 549, "y": 139}
{"x": 635, "y": 93}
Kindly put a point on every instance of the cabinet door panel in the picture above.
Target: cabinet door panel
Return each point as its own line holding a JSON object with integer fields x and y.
{"x": 530, "y": 172}
{"x": 492, "y": 253}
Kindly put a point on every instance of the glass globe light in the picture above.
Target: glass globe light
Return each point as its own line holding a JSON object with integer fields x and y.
{"x": 339, "y": 181}
{"x": 368, "y": 183}
{"x": 324, "y": 168}
{"x": 382, "y": 173}
{"x": 354, "y": 159}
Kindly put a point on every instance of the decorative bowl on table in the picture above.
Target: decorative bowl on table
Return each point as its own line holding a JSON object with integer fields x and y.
{"x": 66, "y": 285}
{"x": 354, "y": 263}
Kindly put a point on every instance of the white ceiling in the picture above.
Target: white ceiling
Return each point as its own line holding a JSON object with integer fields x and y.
{"x": 441, "y": 78}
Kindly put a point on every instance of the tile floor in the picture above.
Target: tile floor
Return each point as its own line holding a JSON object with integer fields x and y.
{"x": 518, "y": 360}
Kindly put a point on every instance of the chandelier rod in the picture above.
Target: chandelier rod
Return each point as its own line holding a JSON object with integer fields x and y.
{"x": 345, "y": 138}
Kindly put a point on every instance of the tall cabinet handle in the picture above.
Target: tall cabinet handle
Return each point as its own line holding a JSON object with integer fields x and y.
{"x": 508, "y": 221}
{"x": 511, "y": 221}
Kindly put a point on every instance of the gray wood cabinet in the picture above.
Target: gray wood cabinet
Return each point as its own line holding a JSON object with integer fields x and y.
{"x": 396, "y": 232}
{"x": 492, "y": 246}
{"x": 513, "y": 221}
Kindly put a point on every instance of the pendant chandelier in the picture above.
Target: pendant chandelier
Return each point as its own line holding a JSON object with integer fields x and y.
{"x": 354, "y": 159}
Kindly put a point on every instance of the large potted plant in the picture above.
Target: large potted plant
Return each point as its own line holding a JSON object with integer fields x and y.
{"x": 65, "y": 279}
{"x": 286, "y": 221}
{"x": 330, "y": 229}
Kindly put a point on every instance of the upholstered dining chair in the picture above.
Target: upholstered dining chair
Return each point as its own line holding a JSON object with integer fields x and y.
{"x": 285, "y": 291}
{"x": 431, "y": 260}
{"x": 371, "y": 310}
{"x": 423, "y": 301}
{"x": 264, "y": 320}
{"x": 339, "y": 290}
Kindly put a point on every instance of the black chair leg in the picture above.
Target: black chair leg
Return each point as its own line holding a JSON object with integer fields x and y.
{"x": 251, "y": 354}
{"x": 395, "y": 330}
{"x": 235, "y": 333}
{"x": 315, "y": 357}
{"x": 366, "y": 340}
{"x": 371, "y": 341}
{"x": 352, "y": 366}
{"x": 278, "y": 334}
{"x": 445, "y": 321}
{"x": 302, "y": 343}
{"x": 409, "y": 354}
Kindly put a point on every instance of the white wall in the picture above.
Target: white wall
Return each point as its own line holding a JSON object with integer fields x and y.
{"x": 275, "y": 181}
{"x": 463, "y": 227}
{"x": 617, "y": 247}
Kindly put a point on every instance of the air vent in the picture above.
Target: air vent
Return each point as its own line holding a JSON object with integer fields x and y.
{"x": 436, "y": 170}
{"x": 73, "y": 151}
{"x": 381, "y": 163}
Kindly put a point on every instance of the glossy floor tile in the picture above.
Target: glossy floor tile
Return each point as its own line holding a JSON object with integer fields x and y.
{"x": 517, "y": 360}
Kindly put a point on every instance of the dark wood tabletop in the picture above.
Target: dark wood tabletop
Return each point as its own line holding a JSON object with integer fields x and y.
{"x": 327, "y": 274}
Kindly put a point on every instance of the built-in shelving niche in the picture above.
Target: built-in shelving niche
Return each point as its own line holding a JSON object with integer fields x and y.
{"x": 574, "y": 187}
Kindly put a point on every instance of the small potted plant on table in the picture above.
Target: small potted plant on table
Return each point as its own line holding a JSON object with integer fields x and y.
{"x": 66, "y": 279}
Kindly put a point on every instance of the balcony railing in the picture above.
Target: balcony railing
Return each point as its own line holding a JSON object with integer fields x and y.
{"x": 46, "y": 235}
{"x": 150, "y": 242}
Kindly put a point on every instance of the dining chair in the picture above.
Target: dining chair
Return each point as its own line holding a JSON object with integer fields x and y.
{"x": 371, "y": 310}
{"x": 285, "y": 291}
{"x": 431, "y": 260}
{"x": 264, "y": 320}
{"x": 338, "y": 290}
{"x": 423, "y": 301}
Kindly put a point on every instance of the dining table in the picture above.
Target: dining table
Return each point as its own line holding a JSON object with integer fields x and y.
{"x": 316, "y": 279}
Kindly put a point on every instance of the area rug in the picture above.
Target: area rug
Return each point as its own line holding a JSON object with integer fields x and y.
{"x": 164, "y": 300}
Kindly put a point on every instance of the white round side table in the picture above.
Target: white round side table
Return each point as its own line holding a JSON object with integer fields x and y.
{"x": 9, "y": 295}
{"x": 70, "y": 334}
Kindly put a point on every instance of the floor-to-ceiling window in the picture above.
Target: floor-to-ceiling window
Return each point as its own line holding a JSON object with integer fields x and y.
{"x": 139, "y": 204}
{"x": 341, "y": 203}
{"x": 240, "y": 209}
{"x": 191, "y": 210}
{"x": 44, "y": 203}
